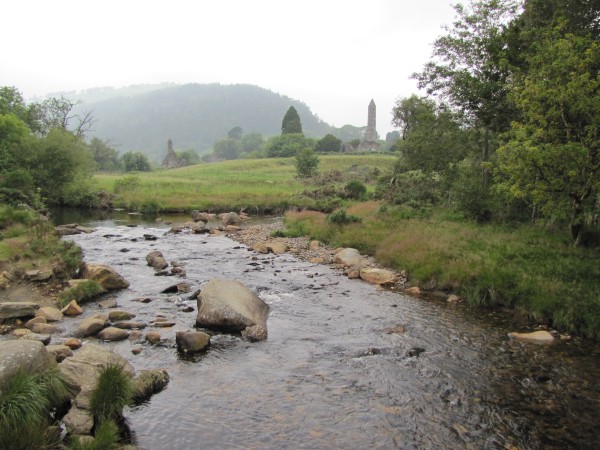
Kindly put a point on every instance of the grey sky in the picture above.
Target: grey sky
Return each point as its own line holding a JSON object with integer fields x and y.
{"x": 334, "y": 55}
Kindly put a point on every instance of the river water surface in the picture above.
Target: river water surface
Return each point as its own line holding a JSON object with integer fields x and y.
{"x": 330, "y": 376}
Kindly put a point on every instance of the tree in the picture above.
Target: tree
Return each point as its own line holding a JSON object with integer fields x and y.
{"x": 106, "y": 157}
{"x": 307, "y": 163}
{"x": 291, "y": 122}
{"x": 329, "y": 144}
{"x": 252, "y": 142}
{"x": 135, "y": 162}
{"x": 189, "y": 156}
{"x": 60, "y": 113}
{"x": 287, "y": 145}
{"x": 12, "y": 133}
{"x": 227, "y": 149}
{"x": 553, "y": 155}
{"x": 469, "y": 69}
{"x": 235, "y": 133}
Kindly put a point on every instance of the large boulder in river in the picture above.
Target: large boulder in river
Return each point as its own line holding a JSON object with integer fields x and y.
{"x": 156, "y": 260}
{"x": 231, "y": 218}
{"x": 81, "y": 374}
{"x": 228, "y": 305}
{"x": 350, "y": 257}
{"x": 191, "y": 341}
{"x": 26, "y": 356}
{"x": 106, "y": 276}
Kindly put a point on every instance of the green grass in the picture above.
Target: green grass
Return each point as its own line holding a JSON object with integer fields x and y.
{"x": 250, "y": 183}
{"x": 532, "y": 270}
{"x": 111, "y": 395}
{"x": 81, "y": 293}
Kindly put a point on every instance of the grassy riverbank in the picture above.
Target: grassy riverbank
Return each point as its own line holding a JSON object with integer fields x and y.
{"x": 535, "y": 271}
{"x": 258, "y": 184}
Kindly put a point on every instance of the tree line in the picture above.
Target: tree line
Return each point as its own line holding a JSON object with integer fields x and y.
{"x": 509, "y": 129}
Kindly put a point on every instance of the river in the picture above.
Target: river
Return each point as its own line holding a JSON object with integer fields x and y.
{"x": 329, "y": 375}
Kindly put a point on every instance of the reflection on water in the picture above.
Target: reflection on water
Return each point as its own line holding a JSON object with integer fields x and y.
{"x": 329, "y": 376}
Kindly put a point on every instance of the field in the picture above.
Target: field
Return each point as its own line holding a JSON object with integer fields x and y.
{"x": 256, "y": 184}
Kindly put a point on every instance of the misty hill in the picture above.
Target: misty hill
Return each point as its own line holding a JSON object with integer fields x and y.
{"x": 193, "y": 115}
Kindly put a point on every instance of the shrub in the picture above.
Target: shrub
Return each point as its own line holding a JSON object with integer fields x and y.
{"x": 340, "y": 217}
{"x": 355, "y": 190}
{"x": 128, "y": 183}
{"x": 306, "y": 163}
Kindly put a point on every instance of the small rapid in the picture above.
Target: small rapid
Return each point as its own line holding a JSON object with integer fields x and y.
{"x": 330, "y": 374}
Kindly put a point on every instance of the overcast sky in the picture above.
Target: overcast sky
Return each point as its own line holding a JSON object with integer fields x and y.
{"x": 333, "y": 55}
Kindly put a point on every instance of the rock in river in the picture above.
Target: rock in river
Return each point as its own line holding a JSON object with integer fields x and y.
{"x": 536, "y": 337}
{"x": 106, "y": 276}
{"x": 191, "y": 341}
{"x": 228, "y": 305}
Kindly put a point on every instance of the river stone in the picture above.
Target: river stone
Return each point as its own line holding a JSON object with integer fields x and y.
{"x": 199, "y": 228}
{"x": 91, "y": 326}
{"x": 228, "y": 305}
{"x": 414, "y": 290}
{"x": 536, "y": 337}
{"x": 19, "y": 332}
{"x": 164, "y": 323}
{"x": 72, "y": 343}
{"x": 59, "y": 351}
{"x": 198, "y": 216}
{"x": 45, "y": 328}
{"x": 378, "y": 276}
{"x": 130, "y": 325}
{"x": 22, "y": 355}
{"x": 50, "y": 313}
{"x": 72, "y": 309}
{"x": 261, "y": 247}
{"x": 191, "y": 341}
{"x": 156, "y": 260}
{"x": 81, "y": 373}
{"x": 314, "y": 245}
{"x": 153, "y": 337}
{"x": 108, "y": 303}
{"x": 43, "y": 338}
{"x": 106, "y": 276}
{"x": 231, "y": 218}
{"x": 278, "y": 247}
{"x": 113, "y": 334}
{"x": 148, "y": 383}
{"x": 31, "y": 322}
{"x": 349, "y": 257}
{"x": 15, "y": 310}
{"x": 118, "y": 314}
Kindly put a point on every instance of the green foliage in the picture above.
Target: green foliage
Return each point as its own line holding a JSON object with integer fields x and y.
{"x": 129, "y": 183}
{"x": 135, "y": 162}
{"x": 291, "y": 122}
{"x": 328, "y": 144}
{"x": 307, "y": 163}
{"x": 82, "y": 292}
{"x": 26, "y": 402}
{"x": 106, "y": 437}
{"x": 81, "y": 192}
{"x": 235, "y": 133}
{"x": 287, "y": 145}
{"x": 106, "y": 157}
{"x": 229, "y": 148}
{"x": 252, "y": 142}
{"x": 150, "y": 207}
{"x": 340, "y": 217}
{"x": 112, "y": 393}
{"x": 355, "y": 190}
{"x": 189, "y": 157}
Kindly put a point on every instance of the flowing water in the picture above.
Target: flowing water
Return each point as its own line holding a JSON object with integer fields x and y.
{"x": 329, "y": 375}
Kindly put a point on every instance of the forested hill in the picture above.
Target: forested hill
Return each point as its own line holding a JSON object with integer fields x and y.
{"x": 193, "y": 115}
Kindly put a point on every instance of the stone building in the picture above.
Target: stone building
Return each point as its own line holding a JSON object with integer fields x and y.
{"x": 370, "y": 141}
{"x": 171, "y": 161}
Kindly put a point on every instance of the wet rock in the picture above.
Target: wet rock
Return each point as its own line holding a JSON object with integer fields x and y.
{"x": 150, "y": 237}
{"x": 116, "y": 315}
{"x": 453, "y": 299}
{"x": 137, "y": 350}
{"x": 382, "y": 277}
{"x": 349, "y": 257}
{"x": 536, "y": 337}
{"x": 106, "y": 276}
{"x": 231, "y": 218}
{"x": 130, "y": 325}
{"x": 153, "y": 337}
{"x": 109, "y": 303}
{"x": 45, "y": 328}
{"x": 143, "y": 300}
{"x": 415, "y": 351}
{"x": 179, "y": 287}
{"x": 72, "y": 343}
{"x": 255, "y": 333}
{"x": 50, "y": 313}
{"x": 148, "y": 383}
{"x": 198, "y": 216}
{"x": 200, "y": 228}
{"x": 314, "y": 245}
{"x": 156, "y": 260}
{"x": 91, "y": 326}
{"x": 31, "y": 322}
{"x": 113, "y": 334}
{"x": 14, "y": 310}
{"x": 163, "y": 323}
{"x": 19, "y": 332}
{"x": 414, "y": 290}
{"x": 72, "y": 309}
{"x": 228, "y": 305}
{"x": 22, "y": 355}
{"x": 59, "y": 351}
{"x": 81, "y": 373}
{"x": 191, "y": 341}
{"x": 43, "y": 338}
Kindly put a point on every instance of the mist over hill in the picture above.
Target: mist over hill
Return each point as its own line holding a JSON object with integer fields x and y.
{"x": 194, "y": 116}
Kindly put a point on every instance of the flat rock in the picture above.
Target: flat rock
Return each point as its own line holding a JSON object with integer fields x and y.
{"x": 113, "y": 334}
{"x": 108, "y": 303}
{"x": 129, "y": 325}
{"x": 59, "y": 351}
{"x": 91, "y": 326}
{"x": 45, "y": 328}
{"x": 16, "y": 310}
{"x": 153, "y": 337}
{"x": 536, "y": 337}
{"x": 43, "y": 338}
{"x": 163, "y": 323}
{"x": 118, "y": 314}
{"x": 106, "y": 276}
{"x": 378, "y": 276}
{"x": 277, "y": 247}
{"x": 49, "y": 313}
{"x": 31, "y": 322}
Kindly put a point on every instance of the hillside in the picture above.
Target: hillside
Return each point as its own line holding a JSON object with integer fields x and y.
{"x": 193, "y": 115}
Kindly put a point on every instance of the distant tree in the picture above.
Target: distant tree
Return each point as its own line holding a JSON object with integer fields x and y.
{"x": 252, "y": 142}
{"x": 235, "y": 133}
{"x": 329, "y": 144}
{"x": 60, "y": 113}
{"x": 307, "y": 163}
{"x": 392, "y": 137}
{"x": 227, "y": 149}
{"x": 287, "y": 145}
{"x": 291, "y": 122}
{"x": 190, "y": 157}
{"x": 135, "y": 162}
{"x": 105, "y": 156}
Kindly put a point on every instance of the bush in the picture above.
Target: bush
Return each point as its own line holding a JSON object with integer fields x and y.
{"x": 341, "y": 218}
{"x": 355, "y": 190}
{"x": 307, "y": 163}
{"x": 128, "y": 183}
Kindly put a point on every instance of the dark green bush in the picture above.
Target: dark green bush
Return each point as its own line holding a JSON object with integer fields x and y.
{"x": 340, "y": 217}
{"x": 355, "y": 190}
